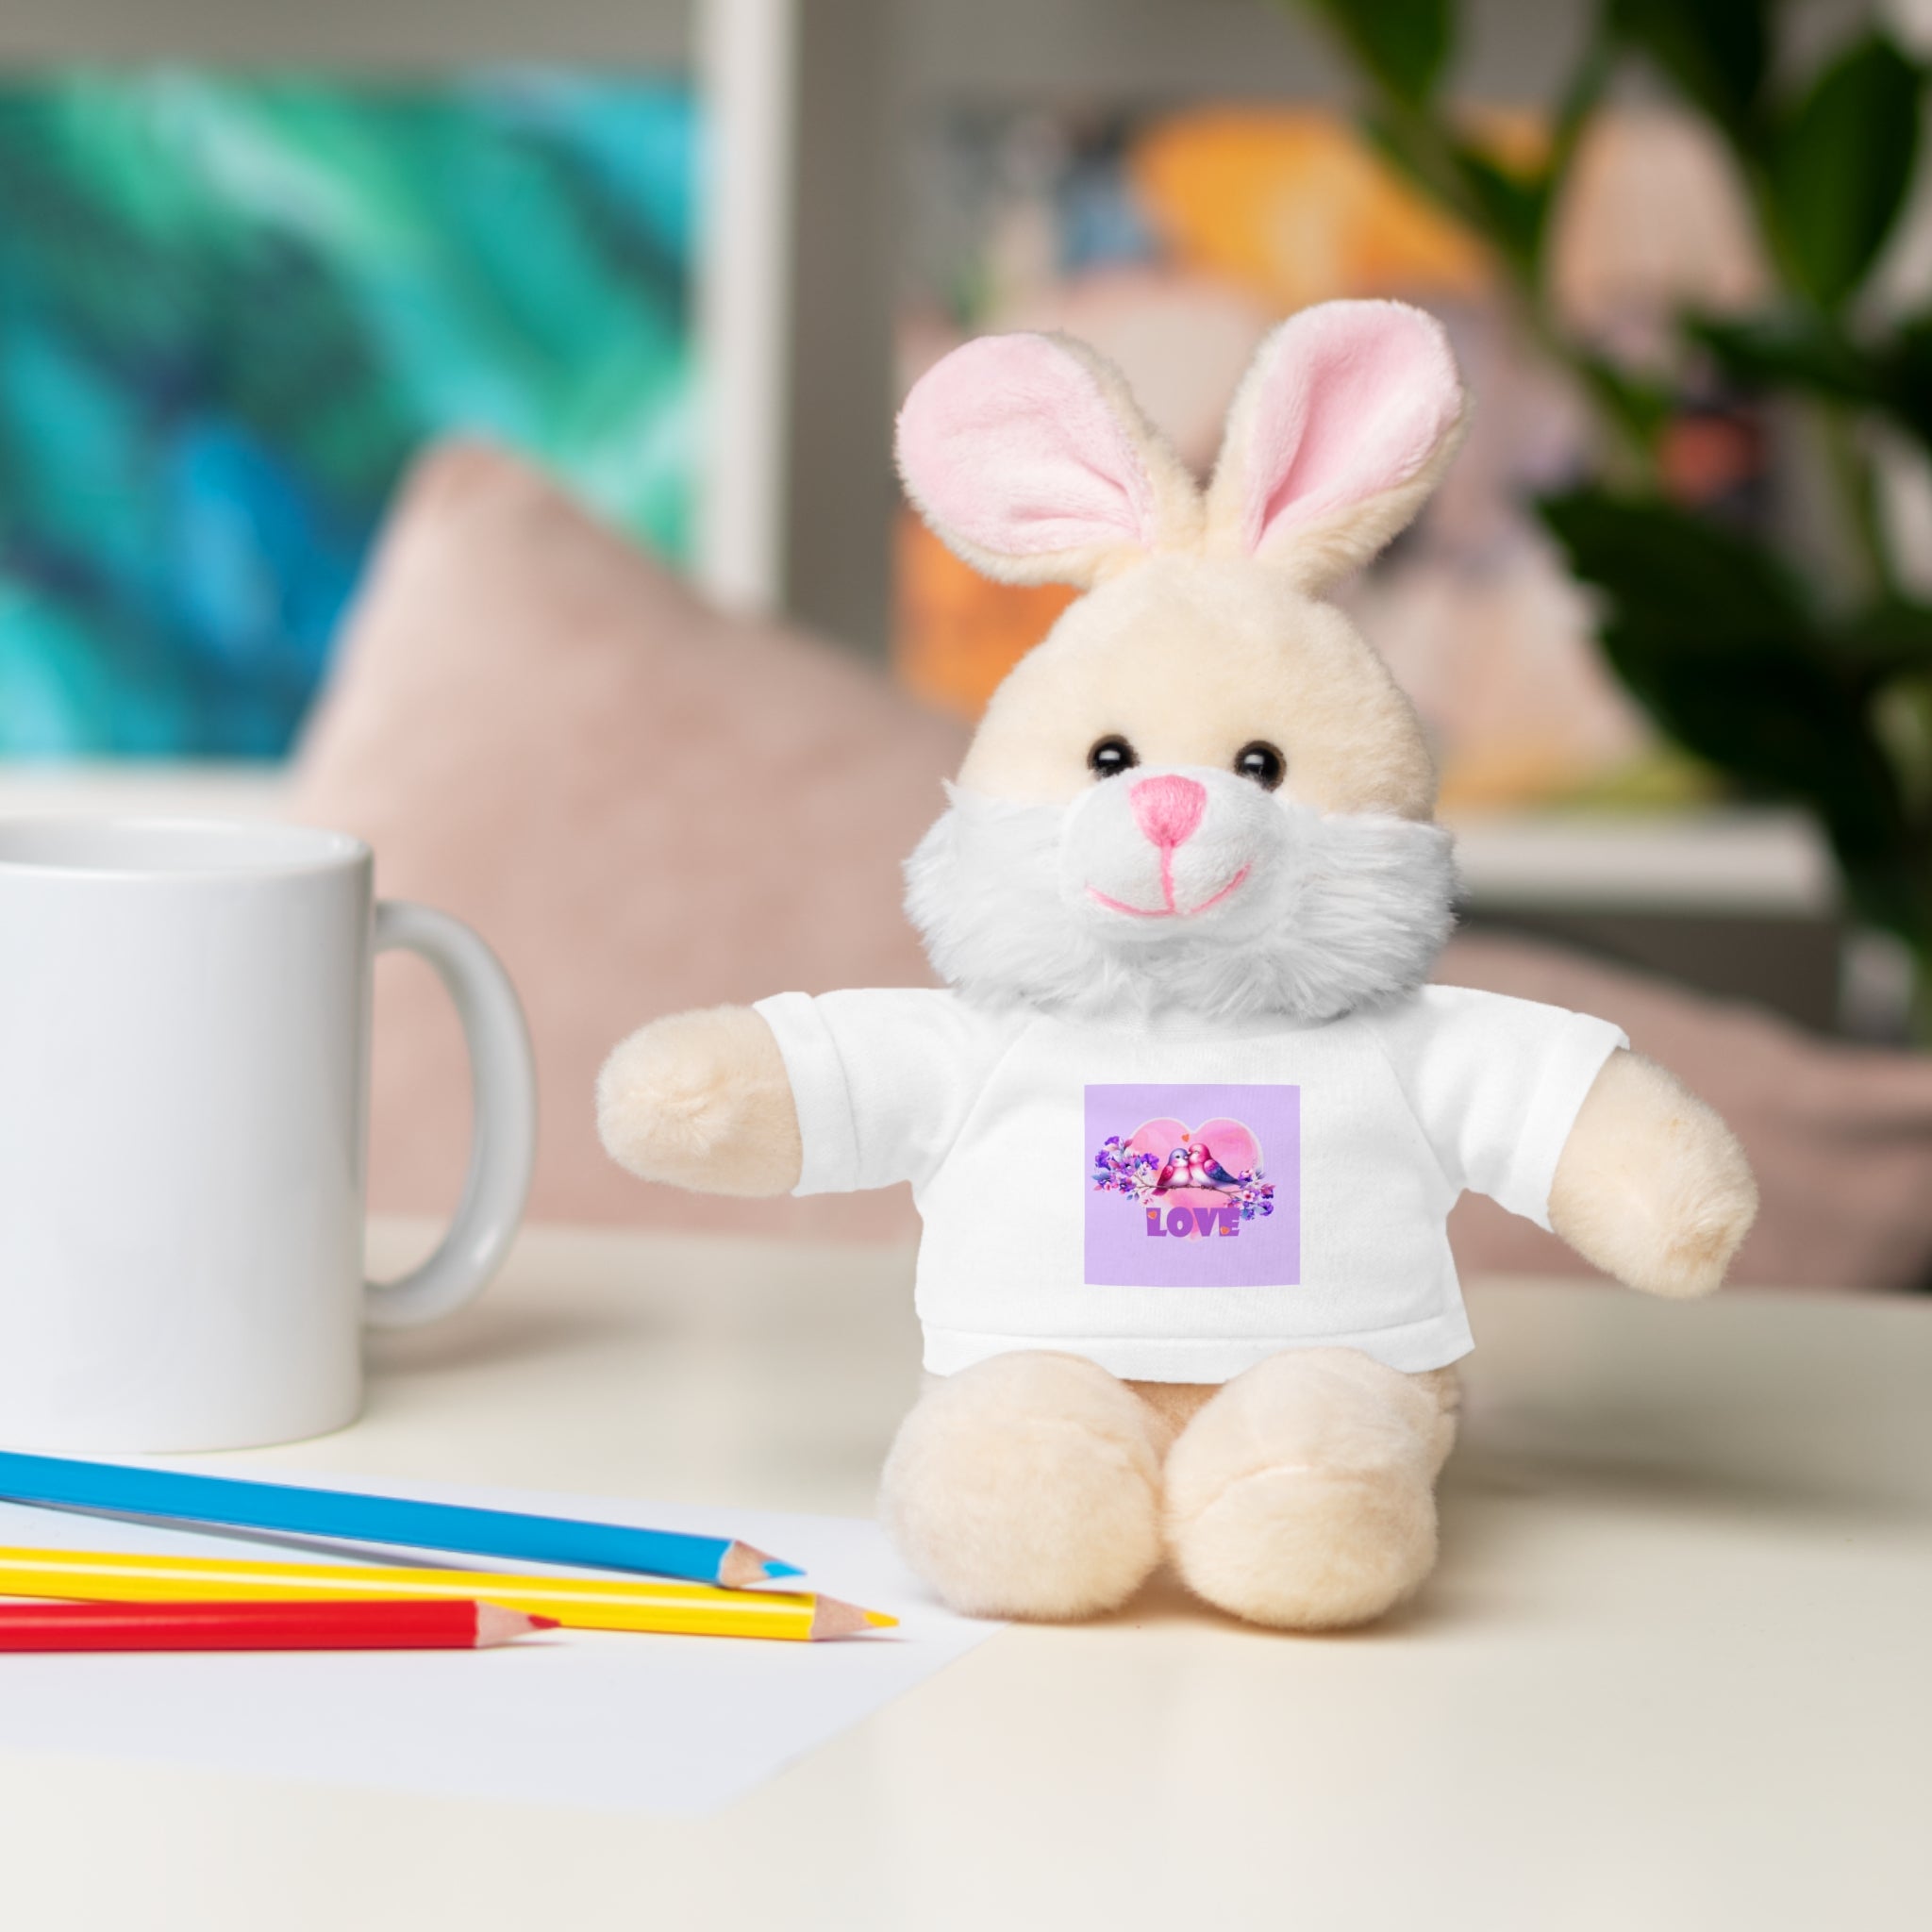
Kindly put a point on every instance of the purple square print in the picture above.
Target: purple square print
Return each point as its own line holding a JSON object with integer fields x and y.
{"x": 1194, "y": 1187}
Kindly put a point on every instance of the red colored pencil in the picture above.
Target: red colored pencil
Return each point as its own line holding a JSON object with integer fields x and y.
{"x": 368, "y": 1625}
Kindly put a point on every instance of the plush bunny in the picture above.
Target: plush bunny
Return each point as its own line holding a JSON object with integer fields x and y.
{"x": 1185, "y": 1126}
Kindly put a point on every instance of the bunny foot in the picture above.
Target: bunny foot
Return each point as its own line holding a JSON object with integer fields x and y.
{"x": 1302, "y": 1495}
{"x": 1028, "y": 1486}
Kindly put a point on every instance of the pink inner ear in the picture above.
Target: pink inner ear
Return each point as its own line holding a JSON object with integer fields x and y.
{"x": 1010, "y": 444}
{"x": 1355, "y": 398}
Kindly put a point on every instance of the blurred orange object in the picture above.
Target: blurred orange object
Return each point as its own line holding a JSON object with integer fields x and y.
{"x": 1707, "y": 454}
{"x": 1295, "y": 207}
{"x": 957, "y": 633}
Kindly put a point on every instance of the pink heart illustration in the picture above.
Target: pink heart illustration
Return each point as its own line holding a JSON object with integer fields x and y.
{"x": 1228, "y": 1143}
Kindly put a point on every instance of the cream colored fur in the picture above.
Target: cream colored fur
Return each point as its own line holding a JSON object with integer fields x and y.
{"x": 1652, "y": 1185}
{"x": 1322, "y": 554}
{"x": 1301, "y": 1494}
{"x": 1327, "y": 552}
{"x": 1028, "y": 1486}
{"x": 700, "y": 1100}
{"x": 1190, "y": 658}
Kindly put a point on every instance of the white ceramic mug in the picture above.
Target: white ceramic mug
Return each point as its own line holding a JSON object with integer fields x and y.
{"x": 184, "y": 1049}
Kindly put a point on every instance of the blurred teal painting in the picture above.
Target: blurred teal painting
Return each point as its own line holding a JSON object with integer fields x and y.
{"x": 233, "y": 308}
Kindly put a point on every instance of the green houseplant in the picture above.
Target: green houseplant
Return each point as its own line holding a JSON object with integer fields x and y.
{"x": 1806, "y": 680}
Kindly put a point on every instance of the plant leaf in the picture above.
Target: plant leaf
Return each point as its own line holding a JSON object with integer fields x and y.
{"x": 1794, "y": 348}
{"x": 1404, "y": 44}
{"x": 1906, "y": 366}
{"x": 1510, "y": 207}
{"x": 1717, "y": 642}
{"x": 1680, "y": 573}
{"x": 1889, "y": 639}
{"x": 1838, "y": 166}
{"x": 1805, "y": 350}
{"x": 1717, "y": 51}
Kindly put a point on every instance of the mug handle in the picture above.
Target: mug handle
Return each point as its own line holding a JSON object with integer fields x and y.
{"x": 503, "y": 1132}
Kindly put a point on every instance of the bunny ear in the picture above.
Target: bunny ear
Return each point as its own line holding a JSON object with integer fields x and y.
{"x": 1343, "y": 424}
{"x": 1031, "y": 460}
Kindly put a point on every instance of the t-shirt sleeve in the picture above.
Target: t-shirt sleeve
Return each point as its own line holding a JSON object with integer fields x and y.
{"x": 882, "y": 1080}
{"x": 1496, "y": 1085}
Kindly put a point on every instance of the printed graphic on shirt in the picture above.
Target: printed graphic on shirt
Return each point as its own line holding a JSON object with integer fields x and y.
{"x": 1194, "y": 1187}
{"x": 1181, "y": 1176}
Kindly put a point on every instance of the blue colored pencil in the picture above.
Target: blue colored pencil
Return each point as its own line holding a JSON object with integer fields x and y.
{"x": 342, "y": 1515}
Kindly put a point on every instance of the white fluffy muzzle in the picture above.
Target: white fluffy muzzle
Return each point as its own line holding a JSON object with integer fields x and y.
{"x": 1202, "y": 893}
{"x": 1153, "y": 848}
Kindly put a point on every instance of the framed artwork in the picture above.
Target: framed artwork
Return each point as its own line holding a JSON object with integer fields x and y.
{"x": 232, "y": 307}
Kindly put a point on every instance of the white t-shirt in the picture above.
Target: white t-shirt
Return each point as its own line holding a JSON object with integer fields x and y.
{"x": 1178, "y": 1201}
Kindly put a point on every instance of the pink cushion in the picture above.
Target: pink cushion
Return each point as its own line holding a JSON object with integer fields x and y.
{"x": 641, "y": 804}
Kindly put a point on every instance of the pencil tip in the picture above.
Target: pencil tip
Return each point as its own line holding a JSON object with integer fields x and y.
{"x": 830, "y": 1618}
{"x": 495, "y": 1624}
{"x": 742, "y": 1566}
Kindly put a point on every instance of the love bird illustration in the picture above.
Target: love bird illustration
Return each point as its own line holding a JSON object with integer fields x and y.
{"x": 1177, "y": 1164}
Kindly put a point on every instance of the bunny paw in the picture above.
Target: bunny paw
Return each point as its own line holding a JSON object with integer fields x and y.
{"x": 701, "y": 1100}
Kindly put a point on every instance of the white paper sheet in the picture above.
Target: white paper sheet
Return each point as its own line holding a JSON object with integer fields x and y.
{"x": 598, "y": 1719}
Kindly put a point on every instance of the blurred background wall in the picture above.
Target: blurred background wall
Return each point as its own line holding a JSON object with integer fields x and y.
{"x": 470, "y": 424}
{"x": 252, "y": 257}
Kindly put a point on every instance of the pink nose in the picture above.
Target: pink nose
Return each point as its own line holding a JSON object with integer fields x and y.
{"x": 1168, "y": 809}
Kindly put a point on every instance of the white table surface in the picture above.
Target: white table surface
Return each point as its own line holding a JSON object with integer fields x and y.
{"x": 1675, "y": 1671}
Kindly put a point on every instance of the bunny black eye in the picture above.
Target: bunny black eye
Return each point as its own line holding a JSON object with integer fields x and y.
{"x": 1261, "y": 762}
{"x": 1110, "y": 756}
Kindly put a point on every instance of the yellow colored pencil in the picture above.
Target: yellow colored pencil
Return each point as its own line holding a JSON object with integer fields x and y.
{"x": 578, "y": 1602}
